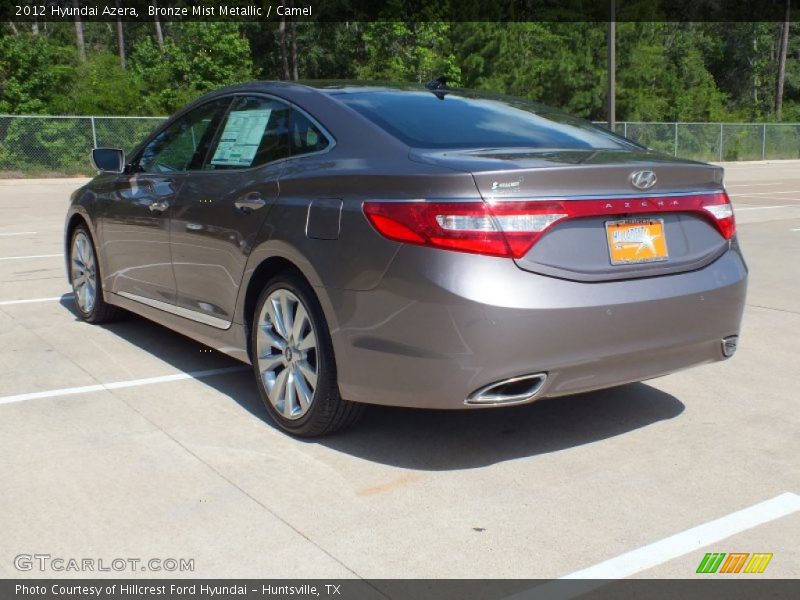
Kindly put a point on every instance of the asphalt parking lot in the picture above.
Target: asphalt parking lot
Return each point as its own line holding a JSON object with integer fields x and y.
{"x": 130, "y": 440}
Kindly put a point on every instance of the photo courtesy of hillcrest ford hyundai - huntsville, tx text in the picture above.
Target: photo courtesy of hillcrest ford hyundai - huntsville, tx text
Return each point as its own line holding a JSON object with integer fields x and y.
{"x": 409, "y": 246}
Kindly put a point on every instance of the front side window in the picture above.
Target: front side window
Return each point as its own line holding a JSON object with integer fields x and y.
{"x": 255, "y": 132}
{"x": 183, "y": 145}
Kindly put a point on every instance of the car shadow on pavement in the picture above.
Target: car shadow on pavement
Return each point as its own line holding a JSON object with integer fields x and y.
{"x": 436, "y": 440}
{"x": 431, "y": 440}
{"x": 183, "y": 354}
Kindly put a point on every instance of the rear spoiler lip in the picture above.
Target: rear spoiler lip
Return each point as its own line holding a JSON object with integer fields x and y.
{"x": 609, "y": 196}
{"x": 547, "y": 157}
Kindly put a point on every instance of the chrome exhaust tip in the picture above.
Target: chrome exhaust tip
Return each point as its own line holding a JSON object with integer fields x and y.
{"x": 729, "y": 345}
{"x": 515, "y": 390}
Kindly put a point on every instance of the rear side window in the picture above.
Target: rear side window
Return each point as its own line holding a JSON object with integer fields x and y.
{"x": 255, "y": 132}
{"x": 305, "y": 137}
{"x": 183, "y": 145}
{"x": 423, "y": 120}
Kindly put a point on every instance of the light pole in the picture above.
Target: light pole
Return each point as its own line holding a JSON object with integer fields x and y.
{"x": 612, "y": 35}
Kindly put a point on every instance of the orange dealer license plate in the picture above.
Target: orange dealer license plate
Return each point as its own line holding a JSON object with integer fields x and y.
{"x": 636, "y": 241}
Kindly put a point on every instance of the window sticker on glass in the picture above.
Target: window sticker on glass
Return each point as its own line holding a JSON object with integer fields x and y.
{"x": 241, "y": 138}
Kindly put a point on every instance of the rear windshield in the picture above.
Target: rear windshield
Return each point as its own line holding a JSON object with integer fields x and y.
{"x": 458, "y": 120}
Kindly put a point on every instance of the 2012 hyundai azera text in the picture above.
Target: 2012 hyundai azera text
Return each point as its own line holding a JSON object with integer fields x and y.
{"x": 409, "y": 246}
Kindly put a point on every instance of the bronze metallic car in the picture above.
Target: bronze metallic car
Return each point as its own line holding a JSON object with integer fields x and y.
{"x": 410, "y": 246}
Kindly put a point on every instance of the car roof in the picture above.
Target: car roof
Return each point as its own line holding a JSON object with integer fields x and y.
{"x": 334, "y": 87}
{"x": 331, "y": 88}
{"x": 306, "y": 91}
{"x": 326, "y": 86}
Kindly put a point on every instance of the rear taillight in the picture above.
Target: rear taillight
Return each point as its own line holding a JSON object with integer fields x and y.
{"x": 511, "y": 228}
{"x": 502, "y": 229}
{"x": 720, "y": 208}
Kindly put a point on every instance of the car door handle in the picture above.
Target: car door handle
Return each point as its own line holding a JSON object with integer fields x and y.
{"x": 158, "y": 206}
{"x": 250, "y": 202}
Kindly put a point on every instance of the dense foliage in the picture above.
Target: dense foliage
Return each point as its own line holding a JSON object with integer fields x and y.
{"x": 666, "y": 71}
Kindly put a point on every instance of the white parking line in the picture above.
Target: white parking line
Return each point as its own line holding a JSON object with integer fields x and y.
{"x": 34, "y": 300}
{"x": 746, "y": 200}
{"x": 751, "y": 184}
{"x": 667, "y": 549}
{"x": 763, "y": 207}
{"x": 768, "y": 193}
{"x": 31, "y": 256}
{"x": 119, "y": 384}
{"x": 18, "y": 233}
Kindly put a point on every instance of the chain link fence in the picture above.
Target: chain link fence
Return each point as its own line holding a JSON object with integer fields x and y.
{"x": 717, "y": 141}
{"x": 49, "y": 145}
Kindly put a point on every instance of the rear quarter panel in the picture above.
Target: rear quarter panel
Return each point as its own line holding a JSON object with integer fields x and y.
{"x": 358, "y": 257}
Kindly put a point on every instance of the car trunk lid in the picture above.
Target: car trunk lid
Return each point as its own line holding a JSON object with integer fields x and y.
{"x": 612, "y": 225}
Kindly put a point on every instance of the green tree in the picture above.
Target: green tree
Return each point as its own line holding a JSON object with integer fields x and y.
{"x": 662, "y": 75}
{"x": 32, "y": 73}
{"x": 665, "y": 71}
{"x": 196, "y": 58}
{"x": 741, "y": 57}
{"x": 554, "y": 63}
{"x": 100, "y": 87}
{"x": 413, "y": 52}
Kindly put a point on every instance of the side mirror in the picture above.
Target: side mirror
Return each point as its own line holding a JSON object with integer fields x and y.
{"x": 108, "y": 160}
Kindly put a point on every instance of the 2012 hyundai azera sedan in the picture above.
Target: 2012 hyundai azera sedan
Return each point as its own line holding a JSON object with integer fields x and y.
{"x": 409, "y": 246}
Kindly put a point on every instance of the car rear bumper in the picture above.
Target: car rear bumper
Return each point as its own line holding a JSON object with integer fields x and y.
{"x": 442, "y": 325}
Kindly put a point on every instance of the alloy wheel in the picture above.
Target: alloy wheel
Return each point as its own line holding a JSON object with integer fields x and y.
{"x": 83, "y": 271}
{"x": 286, "y": 354}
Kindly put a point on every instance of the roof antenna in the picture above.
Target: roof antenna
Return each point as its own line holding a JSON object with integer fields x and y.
{"x": 438, "y": 86}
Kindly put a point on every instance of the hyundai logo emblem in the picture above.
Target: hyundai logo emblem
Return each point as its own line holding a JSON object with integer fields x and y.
{"x": 643, "y": 180}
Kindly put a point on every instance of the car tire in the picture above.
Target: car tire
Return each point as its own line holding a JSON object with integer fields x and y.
{"x": 293, "y": 361}
{"x": 84, "y": 276}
